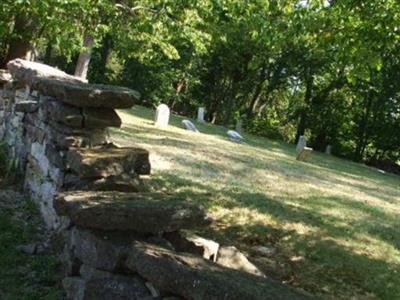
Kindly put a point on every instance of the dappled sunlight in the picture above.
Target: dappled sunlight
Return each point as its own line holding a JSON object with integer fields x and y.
{"x": 340, "y": 217}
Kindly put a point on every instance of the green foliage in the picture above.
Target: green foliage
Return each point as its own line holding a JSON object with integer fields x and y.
{"x": 329, "y": 68}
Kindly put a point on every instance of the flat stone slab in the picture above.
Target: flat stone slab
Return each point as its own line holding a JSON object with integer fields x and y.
{"x": 29, "y": 72}
{"x": 100, "y": 118}
{"x": 27, "y": 106}
{"x": 105, "y": 162}
{"x": 193, "y": 277}
{"x": 139, "y": 212}
{"x": 70, "y": 89}
{"x": 88, "y": 95}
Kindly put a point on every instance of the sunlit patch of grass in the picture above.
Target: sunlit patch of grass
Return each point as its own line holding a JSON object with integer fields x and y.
{"x": 335, "y": 223}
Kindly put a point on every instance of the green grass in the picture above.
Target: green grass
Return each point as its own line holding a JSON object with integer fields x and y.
{"x": 334, "y": 223}
{"x": 24, "y": 276}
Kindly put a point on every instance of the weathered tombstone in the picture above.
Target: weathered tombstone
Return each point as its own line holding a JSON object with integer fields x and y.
{"x": 234, "y": 136}
{"x": 304, "y": 153}
{"x": 200, "y": 114}
{"x": 189, "y": 125}
{"x": 328, "y": 149}
{"x": 302, "y": 150}
{"x": 162, "y": 116}
{"x": 239, "y": 124}
{"x": 301, "y": 144}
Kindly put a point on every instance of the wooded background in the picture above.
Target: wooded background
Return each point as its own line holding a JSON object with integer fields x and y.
{"x": 329, "y": 70}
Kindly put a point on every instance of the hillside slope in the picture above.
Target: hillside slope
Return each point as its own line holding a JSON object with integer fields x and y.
{"x": 333, "y": 224}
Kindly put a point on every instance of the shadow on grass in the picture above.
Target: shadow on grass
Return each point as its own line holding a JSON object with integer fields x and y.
{"x": 336, "y": 166}
{"x": 324, "y": 262}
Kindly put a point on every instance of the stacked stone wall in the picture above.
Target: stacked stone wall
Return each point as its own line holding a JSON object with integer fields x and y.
{"x": 119, "y": 242}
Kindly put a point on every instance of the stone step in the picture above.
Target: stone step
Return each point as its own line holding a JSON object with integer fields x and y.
{"x": 139, "y": 212}
{"x": 193, "y": 277}
{"x": 105, "y": 162}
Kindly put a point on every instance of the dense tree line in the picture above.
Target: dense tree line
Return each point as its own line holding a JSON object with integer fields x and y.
{"x": 329, "y": 70}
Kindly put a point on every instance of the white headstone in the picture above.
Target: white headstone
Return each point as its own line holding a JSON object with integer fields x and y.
{"x": 239, "y": 124}
{"x": 328, "y": 149}
{"x": 301, "y": 144}
{"x": 234, "y": 136}
{"x": 189, "y": 125}
{"x": 200, "y": 114}
{"x": 162, "y": 116}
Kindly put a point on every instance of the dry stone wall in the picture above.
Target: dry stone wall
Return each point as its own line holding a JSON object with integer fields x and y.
{"x": 119, "y": 242}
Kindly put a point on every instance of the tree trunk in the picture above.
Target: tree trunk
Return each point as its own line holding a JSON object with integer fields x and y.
{"x": 363, "y": 135}
{"x": 105, "y": 50}
{"x": 301, "y": 127}
{"x": 48, "y": 53}
{"x": 20, "y": 44}
{"x": 82, "y": 65}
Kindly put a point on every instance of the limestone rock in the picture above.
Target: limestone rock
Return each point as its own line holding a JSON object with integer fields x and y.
{"x": 104, "y": 162}
{"x": 66, "y": 139}
{"x": 64, "y": 113}
{"x": 191, "y": 243}
{"x": 29, "y": 72}
{"x": 114, "y": 287}
{"x": 100, "y": 118}
{"x": 27, "y": 106}
{"x": 74, "y": 288}
{"x": 196, "y": 278}
{"x": 5, "y": 77}
{"x": 100, "y": 250}
{"x": 231, "y": 257}
{"x": 140, "y": 212}
{"x": 70, "y": 89}
{"x": 88, "y": 95}
{"x": 121, "y": 183}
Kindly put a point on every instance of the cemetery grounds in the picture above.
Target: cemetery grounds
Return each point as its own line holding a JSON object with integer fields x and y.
{"x": 331, "y": 225}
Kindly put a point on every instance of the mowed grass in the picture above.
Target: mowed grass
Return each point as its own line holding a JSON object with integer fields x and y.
{"x": 334, "y": 224}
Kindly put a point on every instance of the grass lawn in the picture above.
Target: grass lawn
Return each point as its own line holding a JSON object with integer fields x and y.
{"x": 335, "y": 224}
{"x": 24, "y": 276}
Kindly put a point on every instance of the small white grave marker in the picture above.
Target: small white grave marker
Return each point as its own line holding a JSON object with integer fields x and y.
{"x": 301, "y": 144}
{"x": 302, "y": 150}
{"x": 162, "y": 116}
{"x": 328, "y": 149}
{"x": 200, "y": 114}
{"x": 239, "y": 124}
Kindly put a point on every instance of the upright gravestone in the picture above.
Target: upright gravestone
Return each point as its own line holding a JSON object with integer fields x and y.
{"x": 328, "y": 149}
{"x": 200, "y": 114}
{"x": 162, "y": 116}
{"x": 301, "y": 144}
{"x": 302, "y": 150}
{"x": 239, "y": 124}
